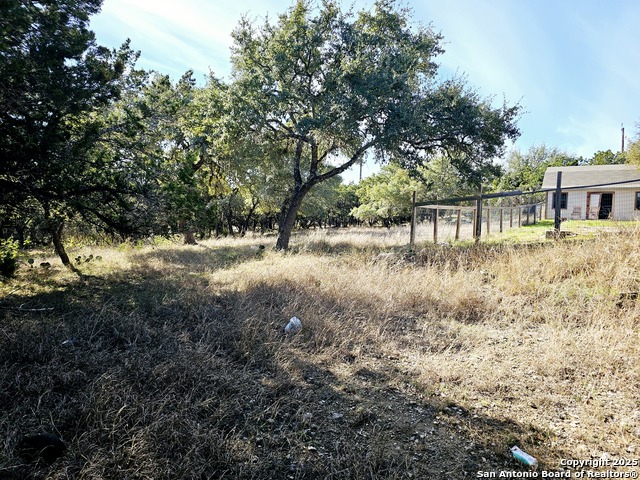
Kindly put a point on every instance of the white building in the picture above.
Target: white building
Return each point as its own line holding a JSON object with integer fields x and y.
{"x": 595, "y": 192}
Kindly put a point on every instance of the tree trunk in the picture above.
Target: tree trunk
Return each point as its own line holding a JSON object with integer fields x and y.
{"x": 247, "y": 220}
{"x": 230, "y": 225}
{"x": 187, "y": 233}
{"x": 289, "y": 213}
{"x": 189, "y": 238}
{"x": 55, "y": 229}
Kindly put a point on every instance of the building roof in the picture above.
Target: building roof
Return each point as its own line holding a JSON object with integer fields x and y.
{"x": 592, "y": 175}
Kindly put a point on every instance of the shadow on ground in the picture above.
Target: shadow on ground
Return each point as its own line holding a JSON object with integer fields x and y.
{"x": 198, "y": 258}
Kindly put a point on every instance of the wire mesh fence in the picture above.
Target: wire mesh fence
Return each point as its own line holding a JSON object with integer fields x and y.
{"x": 591, "y": 193}
{"x": 448, "y": 223}
{"x": 613, "y": 192}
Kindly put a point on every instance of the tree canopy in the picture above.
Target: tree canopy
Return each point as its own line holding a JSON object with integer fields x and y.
{"x": 386, "y": 196}
{"x": 607, "y": 157}
{"x": 525, "y": 171}
{"x": 55, "y": 80}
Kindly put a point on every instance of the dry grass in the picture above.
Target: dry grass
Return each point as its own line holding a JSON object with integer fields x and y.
{"x": 422, "y": 365}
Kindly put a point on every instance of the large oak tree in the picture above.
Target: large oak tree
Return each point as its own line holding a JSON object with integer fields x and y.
{"x": 332, "y": 87}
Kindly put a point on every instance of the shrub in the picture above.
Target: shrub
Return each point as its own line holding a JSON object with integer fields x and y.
{"x": 8, "y": 257}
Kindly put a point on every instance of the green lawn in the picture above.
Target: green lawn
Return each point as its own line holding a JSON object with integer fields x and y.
{"x": 580, "y": 228}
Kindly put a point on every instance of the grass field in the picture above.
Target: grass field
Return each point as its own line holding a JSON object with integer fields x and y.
{"x": 167, "y": 361}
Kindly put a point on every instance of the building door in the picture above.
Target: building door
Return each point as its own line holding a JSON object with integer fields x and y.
{"x": 599, "y": 206}
{"x": 606, "y": 206}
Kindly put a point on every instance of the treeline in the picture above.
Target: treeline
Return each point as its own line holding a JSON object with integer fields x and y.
{"x": 228, "y": 213}
{"x": 382, "y": 199}
{"x": 91, "y": 143}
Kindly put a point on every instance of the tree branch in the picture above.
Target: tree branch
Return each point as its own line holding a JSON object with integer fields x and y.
{"x": 352, "y": 161}
{"x": 297, "y": 175}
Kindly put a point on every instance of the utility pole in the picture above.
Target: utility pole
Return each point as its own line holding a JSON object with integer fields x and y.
{"x": 622, "y": 150}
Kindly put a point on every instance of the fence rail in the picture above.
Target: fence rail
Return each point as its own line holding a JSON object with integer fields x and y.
{"x": 530, "y": 211}
{"x": 460, "y": 222}
{"x": 623, "y": 194}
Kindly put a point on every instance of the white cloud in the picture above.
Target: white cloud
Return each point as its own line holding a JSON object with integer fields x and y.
{"x": 174, "y": 36}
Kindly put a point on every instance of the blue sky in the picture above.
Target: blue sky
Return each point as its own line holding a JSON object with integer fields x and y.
{"x": 574, "y": 65}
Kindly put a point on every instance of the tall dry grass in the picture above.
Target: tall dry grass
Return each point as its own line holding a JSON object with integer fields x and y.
{"x": 428, "y": 364}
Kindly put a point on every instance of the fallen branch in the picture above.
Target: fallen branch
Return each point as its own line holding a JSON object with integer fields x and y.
{"x": 22, "y": 309}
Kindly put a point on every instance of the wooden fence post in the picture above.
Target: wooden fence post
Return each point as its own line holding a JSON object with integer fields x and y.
{"x": 412, "y": 233}
{"x": 477, "y": 224}
{"x": 519, "y": 216}
{"x": 458, "y": 224}
{"x": 501, "y": 213}
{"x": 475, "y": 219}
{"x": 488, "y": 221}
{"x": 528, "y": 212}
{"x": 435, "y": 226}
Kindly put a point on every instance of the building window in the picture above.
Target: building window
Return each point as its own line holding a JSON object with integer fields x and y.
{"x": 563, "y": 200}
{"x": 637, "y": 200}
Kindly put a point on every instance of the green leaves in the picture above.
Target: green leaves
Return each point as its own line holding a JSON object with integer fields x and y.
{"x": 312, "y": 92}
{"x": 8, "y": 257}
{"x": 525, "y": 171}
{"x": 338, "y": 85}
{"x": 53, "y": 79}
{"x": 55, "y": 84}
{"x": 353, "y": 84}
{"x": 386, "y": 196}
{"x": 608, "y": 158}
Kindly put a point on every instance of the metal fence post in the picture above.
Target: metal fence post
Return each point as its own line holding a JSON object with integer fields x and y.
{"x": 558, "y": 204}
